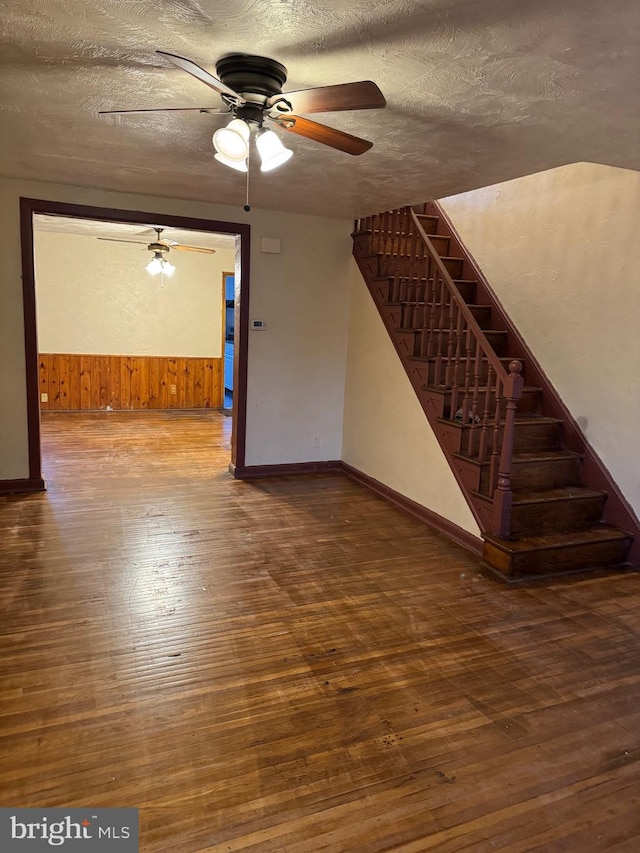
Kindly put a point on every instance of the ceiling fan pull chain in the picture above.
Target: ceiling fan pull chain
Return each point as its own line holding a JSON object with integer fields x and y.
{"x": 247, "y": 206}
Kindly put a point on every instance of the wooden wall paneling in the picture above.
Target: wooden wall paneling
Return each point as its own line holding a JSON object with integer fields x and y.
{"x": 207, "y": 385}
{"x": 54, "y": 386}
{"x": 189, "y": 387}
{"x": 63, "y": 382}
{"x": 135, "y": 382}
{"x": 125, "y": 382}
{"x": 143, "y": 374}
{"x": 92, "y": 382}
{"x": 104, "y": 371}
{"x": 172, "y": 373}
{"x": 95, "y": 382}
{"x": 163, "y": 393}
{"x": 115, "y": 376}
{"x": 85, "y": 382}
{"x": 181, "y": 383}
{"x": 217, "y": 392}
{"x": 74, "y": 381}
{"x": 198, "y": 382}
{"x": 43, "y": 362}
{"x": 154, "y": 383}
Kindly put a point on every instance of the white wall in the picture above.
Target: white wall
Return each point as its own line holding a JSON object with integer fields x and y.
{"x": 296, "y": 366}
{"x": 96, "y": 297}
{"x": 386, "y": 433}
{"x": 561, "y": 249}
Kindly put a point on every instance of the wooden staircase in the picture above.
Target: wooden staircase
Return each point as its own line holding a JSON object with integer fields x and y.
{"x": 542, "y": 499}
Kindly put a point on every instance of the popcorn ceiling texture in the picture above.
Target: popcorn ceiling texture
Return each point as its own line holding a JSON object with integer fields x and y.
{"x": 478, "y": 91}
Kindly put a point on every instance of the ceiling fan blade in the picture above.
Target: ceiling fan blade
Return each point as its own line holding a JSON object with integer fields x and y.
{"x": 363, "y": 95}
{"x": 209, "y": 110}
{"x": 321, "y": 133}
{"x": 202, "y": 75}
{"x": 181, "y": 248}
{"x": 118, "y": 240}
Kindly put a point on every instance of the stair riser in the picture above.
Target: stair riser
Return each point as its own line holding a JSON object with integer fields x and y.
{"x": 457, "y": 373}
{"x": 412, "y": 290}
{"x": 418, "y": 316}
{"x": 526, "y": 439}
{"x": 390, "y": 265}
{"x": 556, "y": 515}
{"x": 529, "y": 402}
{"x": 441, "y": 342}
{"x": 429, "y": 223}
{"x": 530, "y": 436}
{"x": 404, "y": 244}
{"x": 538, "y": 476}
{"x": 558, "y": 560}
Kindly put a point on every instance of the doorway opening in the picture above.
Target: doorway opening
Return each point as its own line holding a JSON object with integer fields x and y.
{"x": 126, "y": 226}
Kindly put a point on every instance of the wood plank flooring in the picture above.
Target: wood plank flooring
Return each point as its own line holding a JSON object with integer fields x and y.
{"x": 293, "y": 665}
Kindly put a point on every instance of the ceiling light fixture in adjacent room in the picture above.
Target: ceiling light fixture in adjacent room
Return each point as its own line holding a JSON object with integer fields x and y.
{"x": 158, "y": 264}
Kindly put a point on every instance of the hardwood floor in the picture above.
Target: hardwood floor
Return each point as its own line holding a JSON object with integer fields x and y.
{"x": 294, "y": 665}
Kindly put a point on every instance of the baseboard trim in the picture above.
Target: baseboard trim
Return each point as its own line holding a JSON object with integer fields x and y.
{"x": 255, "y": 472}
{"x": 20, "y": 487}
{"x": 432, "y": 519}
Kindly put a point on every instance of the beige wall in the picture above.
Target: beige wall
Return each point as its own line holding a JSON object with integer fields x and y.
{"x": 386, "y": 433}
{"x": 97, "y": 297}
{"x": 561, "y": 249}
{"x": 296, "y": 366}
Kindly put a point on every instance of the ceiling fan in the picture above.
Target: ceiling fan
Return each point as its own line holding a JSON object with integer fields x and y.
{"x": 251, "y": 92}
{"x": 160, "y": 248}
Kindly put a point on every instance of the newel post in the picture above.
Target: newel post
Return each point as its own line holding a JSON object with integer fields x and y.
{"x": 503, "y": 496}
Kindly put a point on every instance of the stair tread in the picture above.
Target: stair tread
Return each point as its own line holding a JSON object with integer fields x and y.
{"x": 441, "y": 389}
{"x": 423, "y": 278}
{"x": 428, "y": 358}
{"x": 405, "y": 303}
{"x": 545, "y": 455}
{"x": 558, "y": 494}
{"x": 594, "y": 534}
{"x": 528, "y": 417}
{"x": 446, "y": 329}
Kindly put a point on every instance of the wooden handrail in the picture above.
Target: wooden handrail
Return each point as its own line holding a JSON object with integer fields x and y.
{"x": 460, "y": 357}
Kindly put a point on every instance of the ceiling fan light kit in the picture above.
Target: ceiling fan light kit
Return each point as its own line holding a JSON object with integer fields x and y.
{"x": 158, "y": 264}
{"x": 239, "y": 165}
{"x": 232, "y": 141}
{"x": 272, "y": 152}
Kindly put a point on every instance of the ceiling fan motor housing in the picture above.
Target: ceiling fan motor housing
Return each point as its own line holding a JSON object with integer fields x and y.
{"x": 247, "y": 74}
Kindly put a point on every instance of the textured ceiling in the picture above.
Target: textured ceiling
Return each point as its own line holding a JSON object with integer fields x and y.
{"x": 478, "y": 91}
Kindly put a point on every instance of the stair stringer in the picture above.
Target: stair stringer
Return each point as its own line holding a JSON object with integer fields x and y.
{"x": 594, "y": 473}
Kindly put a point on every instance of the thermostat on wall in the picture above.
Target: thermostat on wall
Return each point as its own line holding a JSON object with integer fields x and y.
{"x": 258, "y": 324}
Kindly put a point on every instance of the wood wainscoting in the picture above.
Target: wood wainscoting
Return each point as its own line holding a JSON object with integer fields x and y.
{"x": 71, "y": 382}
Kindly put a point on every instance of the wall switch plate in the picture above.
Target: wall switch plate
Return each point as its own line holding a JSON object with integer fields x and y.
{"x": 44, "y": 398}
